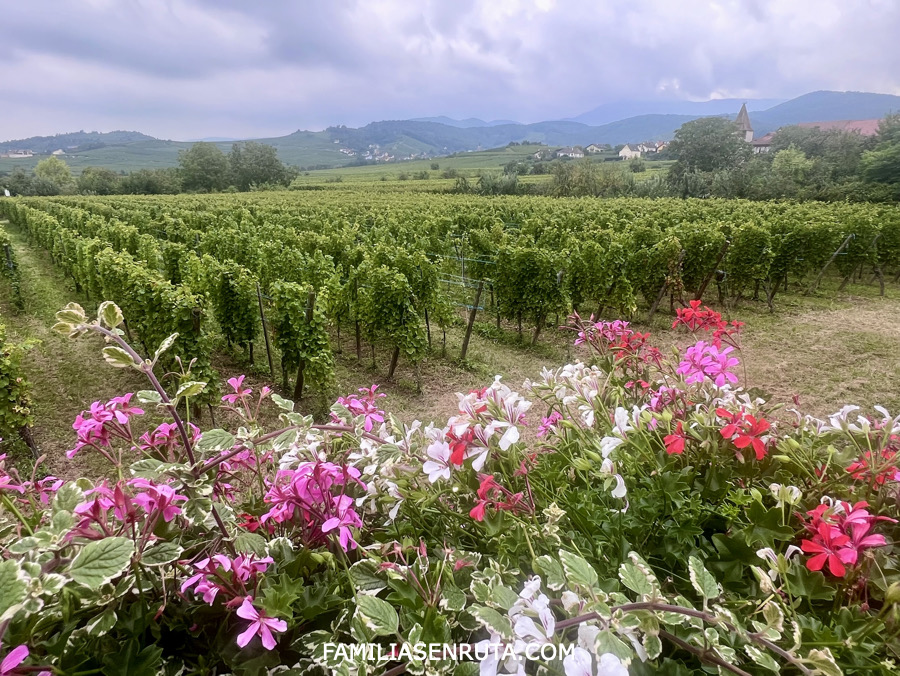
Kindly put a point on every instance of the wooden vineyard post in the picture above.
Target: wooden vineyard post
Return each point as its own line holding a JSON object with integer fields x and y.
{"x": 812, "y": 287}
{"x": 662, "y": 291}
{"x": 395, "y": 357}
{"x": 356, "y": 322}
{"x": 713, "y": 271}
{"x": 471, "y": 323}
{"x": 262, "y": 317}
{"x": 427, "y": 323}
{"x": 298, "y": 386}
{"x": 849, "y": 277}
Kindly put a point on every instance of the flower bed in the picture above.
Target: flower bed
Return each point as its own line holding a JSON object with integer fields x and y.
{"x": 657, "y": 520}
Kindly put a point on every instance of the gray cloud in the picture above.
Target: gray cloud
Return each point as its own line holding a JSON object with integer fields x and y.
{"x": 183, "y": 68}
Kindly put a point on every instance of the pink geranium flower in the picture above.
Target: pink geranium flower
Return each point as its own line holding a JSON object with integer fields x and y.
{"x": 239, "y": 390}
{"x": 260, "y": 625}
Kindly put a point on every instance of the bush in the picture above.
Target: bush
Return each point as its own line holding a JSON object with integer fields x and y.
{"x": 660, "y": 518}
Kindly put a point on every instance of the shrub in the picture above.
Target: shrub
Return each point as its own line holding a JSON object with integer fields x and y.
{"x": 660, "y": 519}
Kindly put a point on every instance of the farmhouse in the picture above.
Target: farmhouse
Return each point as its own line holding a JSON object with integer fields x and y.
{"x": 862, "y": 127}
{"x": 763, "y": 143}
{"x": 573, "y": 152}
{"x": 18, "y": 154}
{"x": 629, "y": 152}
{"x": 595, "y": 148}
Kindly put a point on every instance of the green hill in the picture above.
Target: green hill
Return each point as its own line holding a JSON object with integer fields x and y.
{"x": 410, "y": 139}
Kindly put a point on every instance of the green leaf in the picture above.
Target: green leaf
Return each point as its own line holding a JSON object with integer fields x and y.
{"x": 161, "y": 553}
{"x": 68, "y": 497}
{"x": 638, "y": 576}
{"x": 250, "y": 543}
{"x": 12, "y": 588}
{"x": 281, "y": 402}
{"x": 763, "y": 659}
{"x": 453, "y": 598}
{"x": 72, "y": 313}
{"x": 607, "y": 642}
{"x": 552, "y": 570}
{"x": 131, "y": 660}
{"x": 285, "y": 440}
{"x": 652, "y": 645}
{"x": 702, "y": 579}
{"x": 578, "y": 571}
{"x": 101, "y": 561}
{"x": 215, "y": 440}
{"x": 365, "y": 577}
{"x": 149, "y": 397}
{"x": 109, "y": 314}
{"x": 378, "y": 615}
{"x": 190, "y": 389}
{"x": 493, "y": 621}
{"x": 165, "y": 345}
{"x": 823, "y": 661}
{"x": 503, "y": 597}
{"x": 118, "y": 357}
{"x": 102, "y": 623}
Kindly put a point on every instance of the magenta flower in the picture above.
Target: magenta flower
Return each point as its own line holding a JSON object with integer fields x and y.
{"x": 702, "y": 360}
{"x": 311, "y": 497}
{"x": 120, "y": 408}
{"x": 13, "y": 659}
{"x": 259, "y": 624}
{"x": 363, "y": 406}
{"x": 157, "y": 497}
{"x": 549, "y": 424}
{"x": 346, "y": 516}
{"x": 232, "y": 578}
{"x": 239, "y": 390}
{"x": 717, "y": 364}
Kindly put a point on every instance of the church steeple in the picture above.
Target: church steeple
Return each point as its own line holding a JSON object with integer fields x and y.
{"x": 743, "y": 123}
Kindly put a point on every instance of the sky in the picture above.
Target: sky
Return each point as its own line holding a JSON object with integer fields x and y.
{"x": 185, "y": 69}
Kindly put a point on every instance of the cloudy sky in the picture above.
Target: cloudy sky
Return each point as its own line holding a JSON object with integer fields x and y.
{"x": 193, "y": 68}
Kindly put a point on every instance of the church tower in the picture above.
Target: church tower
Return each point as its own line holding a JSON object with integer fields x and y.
{"x": 743, "y": 123}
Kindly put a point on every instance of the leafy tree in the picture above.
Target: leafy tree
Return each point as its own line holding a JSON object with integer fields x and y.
{"x": 882, "y": 165}
{"x": 203, "y": 167}
{"x": 52, "y": 177}
{"x": 707, "y": 144}
{"x": 98, "y": 181}
{"x": 19, "y": 182}
{"x": 791, "y": 164}
{"x": 152, "y": 182}
{"x": 256, "y": 164}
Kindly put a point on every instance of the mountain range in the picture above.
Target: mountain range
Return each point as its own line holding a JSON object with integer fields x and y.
{"x": 614, "y": 123}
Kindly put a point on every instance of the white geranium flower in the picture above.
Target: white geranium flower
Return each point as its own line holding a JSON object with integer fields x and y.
{"x": 587, "y": 414}
{"x": 785, "y": 495}
{"x": 439, "y": 465}
{"x": 580, "y": 663}
{"x": 609, "y": 444}
{"x": 619, "y": 491}
{"x": 622, "y": 422}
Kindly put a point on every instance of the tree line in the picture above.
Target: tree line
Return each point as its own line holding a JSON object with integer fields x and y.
{"x": 201, "y": 168}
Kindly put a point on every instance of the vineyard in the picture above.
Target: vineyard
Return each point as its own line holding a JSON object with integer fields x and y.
{"x": 297, "y": 278}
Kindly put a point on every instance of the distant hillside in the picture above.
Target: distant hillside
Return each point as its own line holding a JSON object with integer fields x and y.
{"x": 621, "y": 110}
{"x": 823, "y": 107}
{"x": 402, "y": 139}
{"x": 74, "y": 140}
{"x": 464, "y": 124}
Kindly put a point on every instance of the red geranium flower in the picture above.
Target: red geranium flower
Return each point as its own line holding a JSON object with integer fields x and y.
{"x": 675, "y": 441}
{"x": 829, "y": 546}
